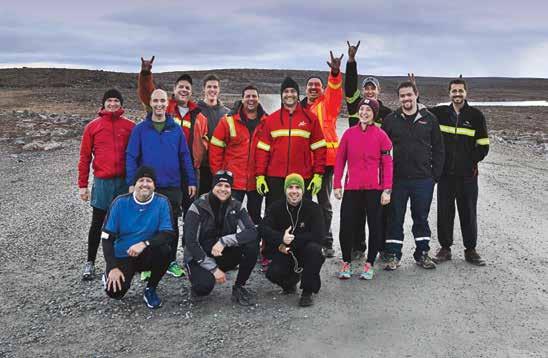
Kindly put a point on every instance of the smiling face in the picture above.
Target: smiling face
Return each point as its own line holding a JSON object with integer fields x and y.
{"x": 158, "y": 102}
{"x": 408, "y": 98}
{"x": 182, "y": 91}
{"x": 290, "y": 97}
{"x": 366, "y": 114}
{"x": 144, "y": 187}
{"x": 222, "y": 191}
{"x": 212, "y": 89}
{"x": 112, "y": 104}
{"x": 370, "y": 91}
{"x": 457, "y": 94}
{"x": 250, "y": 100}
{"x": 294, "y": 194}
{"x": 314, "y": 89}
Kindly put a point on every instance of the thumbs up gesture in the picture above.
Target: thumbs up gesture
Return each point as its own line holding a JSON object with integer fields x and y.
{"x": 288, "y": 237}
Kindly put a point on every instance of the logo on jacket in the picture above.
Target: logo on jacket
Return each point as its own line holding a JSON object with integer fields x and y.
{"x": 301, "y": 225}
{"x": 467, "y": 124}
{"x": 301, "y": 124}
{"x": 422, "y": 122}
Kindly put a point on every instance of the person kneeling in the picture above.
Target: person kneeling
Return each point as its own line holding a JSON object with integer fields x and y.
{"x": 136, "y": 237}
{"x": 213, "y": 244}
{"x": 295, "y": 227}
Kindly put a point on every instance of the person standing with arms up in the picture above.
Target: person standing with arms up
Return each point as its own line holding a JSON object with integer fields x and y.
{"x": 326, "y": 105}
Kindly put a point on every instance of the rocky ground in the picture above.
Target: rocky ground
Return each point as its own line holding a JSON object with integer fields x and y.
{"x": 458, "y": 310}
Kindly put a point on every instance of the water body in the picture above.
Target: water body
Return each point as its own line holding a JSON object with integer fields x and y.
{"x": 506, "y": 104}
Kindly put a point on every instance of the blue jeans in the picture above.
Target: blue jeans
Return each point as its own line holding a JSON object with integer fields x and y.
{"x": 420, "y": 192}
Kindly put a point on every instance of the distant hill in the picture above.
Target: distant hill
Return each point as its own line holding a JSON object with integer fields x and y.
{"x": 268, "y": 81}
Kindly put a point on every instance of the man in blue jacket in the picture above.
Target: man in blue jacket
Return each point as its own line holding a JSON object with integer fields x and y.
{"x": 158, "y": 142}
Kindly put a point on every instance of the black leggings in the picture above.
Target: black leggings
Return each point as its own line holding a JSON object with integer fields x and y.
{"x": 245, "y": 256}
{"x": 153, "y": 259}
{"x": 355, "y": 207}
{"x": 94, "y": 235}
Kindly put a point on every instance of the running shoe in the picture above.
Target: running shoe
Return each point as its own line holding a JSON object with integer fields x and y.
{"x": 392, "y": 263}
{"x": 89, "y": 271}
{"x": 345, "y": 272}
{"x": 425, "y": 261}
{"x": 145, "y": 275}
{"x": 151, "y": 298}
{"x": 368, "y": 272}
{"x": 175, "y": 270}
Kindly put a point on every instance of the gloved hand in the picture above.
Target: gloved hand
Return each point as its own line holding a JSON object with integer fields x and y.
{"x": 262, "y": 187}
{"x": 315, "y": 184}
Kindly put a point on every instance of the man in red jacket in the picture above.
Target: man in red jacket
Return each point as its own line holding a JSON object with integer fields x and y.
{"x": 103, "y": 146}
{"x": 326, "y": 105}
{"x": 233, "y": 147}
{"x": 291, "y": 141}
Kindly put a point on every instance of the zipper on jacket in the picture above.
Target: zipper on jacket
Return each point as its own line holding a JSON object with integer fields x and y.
{"x": 114, "y": 143}
{"x": 454, "y": 168}
{"x": 289, "y": 144}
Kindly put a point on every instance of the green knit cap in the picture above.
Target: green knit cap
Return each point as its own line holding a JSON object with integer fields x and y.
{"x": 294, "y": 179}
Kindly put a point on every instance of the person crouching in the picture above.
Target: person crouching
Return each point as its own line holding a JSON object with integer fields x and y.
{"x": 213, "y": 244}
{"x": 295, "y": 227}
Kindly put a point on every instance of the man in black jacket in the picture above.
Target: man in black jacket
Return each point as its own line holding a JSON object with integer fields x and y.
{"x": 213, "y": 244}
{"x": 418, "y": 164}
{"x": 466, "y": 144}
{"x": 370, "y": 89}
{"x": 294, "y": 228}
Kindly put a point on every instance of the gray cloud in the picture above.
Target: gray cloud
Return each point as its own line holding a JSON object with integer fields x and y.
{"x": 429, "y": 37}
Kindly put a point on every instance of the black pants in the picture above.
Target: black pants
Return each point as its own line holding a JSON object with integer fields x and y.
{"x": 187, "y": 200}
{"x": 175, "y": 197}
{"x": 206, "y": 180}
{"x": 463, "y": 190}
{"x": 276, "y": 190}
{"x": 153, "y": 259}
{"x": 357, "y": 204}
{"x": 324, "y": 200}
{"x": 254, "y": 203}
{"x": 94, "y": 235}
{"x": 310, "y": 258}
{"x": 203, "y": 281}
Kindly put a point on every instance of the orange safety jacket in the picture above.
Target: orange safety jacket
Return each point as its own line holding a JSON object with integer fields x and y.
{"x": 193, "y": 123}
{"x": 291, "y": 143}
{"x": 327, "y": 108}
{"x": 233, "y": 148}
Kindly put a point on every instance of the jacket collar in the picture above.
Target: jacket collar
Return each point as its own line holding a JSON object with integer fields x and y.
{"x": 170, "y": 123}
{"x": 111, "y": 115}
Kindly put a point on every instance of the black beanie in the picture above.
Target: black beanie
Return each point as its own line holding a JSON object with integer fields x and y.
{"x": 112, "y": 93}
{"x": 223, "y": 176}
{"x": 184, "y": 77}
{"x": 145, "y": 171}
{"x": 289, "y": 82}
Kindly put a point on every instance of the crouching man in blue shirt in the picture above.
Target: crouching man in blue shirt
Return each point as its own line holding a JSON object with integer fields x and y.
{"x": 136, "y": 237}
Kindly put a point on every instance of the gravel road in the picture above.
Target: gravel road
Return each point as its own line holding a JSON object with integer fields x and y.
{"x": 458, "y": 310}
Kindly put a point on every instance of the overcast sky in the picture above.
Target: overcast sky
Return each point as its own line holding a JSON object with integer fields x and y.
{"x": 430, "y": 38}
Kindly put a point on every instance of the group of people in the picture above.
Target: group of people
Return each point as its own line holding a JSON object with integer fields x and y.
{"x": 200, "y": 160}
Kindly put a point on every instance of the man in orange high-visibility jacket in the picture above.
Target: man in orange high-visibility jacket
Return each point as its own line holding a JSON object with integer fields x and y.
{"x": 291, "y": 141}
{"x": 326, "y": 105}
{"x": 233, "y": 146}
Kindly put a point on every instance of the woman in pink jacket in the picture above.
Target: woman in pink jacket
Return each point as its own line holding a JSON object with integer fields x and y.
{"x": 365, "y": 151}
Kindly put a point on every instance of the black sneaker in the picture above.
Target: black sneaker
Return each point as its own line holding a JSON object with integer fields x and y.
{"x": 289, "y": 290}
{"x": 329, "y": 252}
{"x": 471, "y": 256}
{"x": 425, "y": 261}
{"x": 306, "y": 299}
{"x": 242, "y": 296}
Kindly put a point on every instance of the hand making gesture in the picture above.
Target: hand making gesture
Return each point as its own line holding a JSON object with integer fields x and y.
{"x": 352, "y": 51}
{"x": 335, "y": 63}
{"x": 146, "y": 65}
